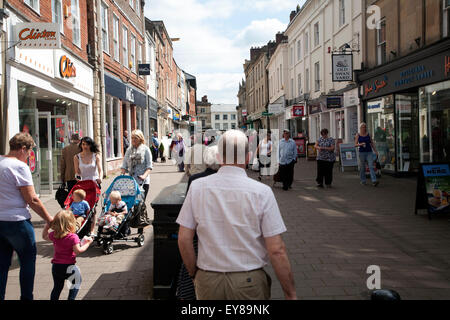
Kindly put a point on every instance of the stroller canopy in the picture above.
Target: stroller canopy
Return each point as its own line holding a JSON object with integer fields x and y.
{"x": 92, "y": 192}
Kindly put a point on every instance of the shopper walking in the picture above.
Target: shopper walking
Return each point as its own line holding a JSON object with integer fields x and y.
{"x": 138, "y": 161}
{"x": 67, "y": 162}
{"x": 88, "y": 166}
{"x": 366, "y": 154}
{"x": 287, "y": 159}
{"x": 155, "y": 146}
{"x": 17, "y": 194}
{"x": 235, "y": 245}
{"x": 194, "y": 157}
{"x": 325, "y": 159}
{"x": 126, "y": 141}
{"x": 264, "y": 152}
{"x": 178, "y": 151}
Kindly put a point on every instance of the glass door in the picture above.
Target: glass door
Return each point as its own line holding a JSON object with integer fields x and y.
{"x": 60, "y": 139}
{"x": 45, "y": 152}
{"x": 407, "y": 110}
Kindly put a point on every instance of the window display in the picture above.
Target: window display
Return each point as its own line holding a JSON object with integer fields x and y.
{"x": 381, "y": 126}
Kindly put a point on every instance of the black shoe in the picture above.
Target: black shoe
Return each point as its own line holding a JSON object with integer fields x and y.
{"x": 285, "y": 188}
{"x": 290, "y": 187}
{"x": 376, "y": 183}
{"x": 319, "y": 185}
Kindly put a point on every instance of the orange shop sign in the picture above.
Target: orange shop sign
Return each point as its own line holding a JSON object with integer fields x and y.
{"x": 66, "y": 68}
{"x": 37, "y": 35}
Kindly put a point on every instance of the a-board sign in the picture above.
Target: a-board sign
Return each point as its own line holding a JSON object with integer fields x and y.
{"x": 311, "y": 151}
{"x": 301, "y": 146}
{"x": 433, "y": 188}
{"x": 348, "y": 157}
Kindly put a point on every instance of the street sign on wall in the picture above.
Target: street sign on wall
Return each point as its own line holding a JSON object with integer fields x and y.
{"x": 298, "y": 111}
{"x": 342, "y": 67}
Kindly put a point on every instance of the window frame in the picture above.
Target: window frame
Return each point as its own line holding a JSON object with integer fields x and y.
{"x": 380, "y": 58}
{"x": 105, "y": 19}
{"x": 316, "y": 34}
{"x": 341, "y": 13}
{"x": 61, "y": 23}
{"x": 125, "y": 57}
{"x": 133, "y": 52}
{"x": 38, "y": 3}
{"x": 78, "y": 19}
{"x": 299, "y": 49}
{"x": 317, "y": 84}
{"x": 116, "y": 41}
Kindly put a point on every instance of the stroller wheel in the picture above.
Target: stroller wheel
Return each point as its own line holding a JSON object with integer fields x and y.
{"x": 140, "y": 240}
{"x": 107, "y": 248}
{"x": 99, "y": 242}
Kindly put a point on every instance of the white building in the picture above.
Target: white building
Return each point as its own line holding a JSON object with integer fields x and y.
{"x": 150, "y": 58}
{"x": 319, "y": 28}
{"x": 277, "y": 69}
{"x": 224, "y": 117}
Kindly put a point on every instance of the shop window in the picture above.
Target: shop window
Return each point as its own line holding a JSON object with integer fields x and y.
{"x": 434, "y": 122}
{"x": 113, "y": 128}
{"x": 381, "y": 127}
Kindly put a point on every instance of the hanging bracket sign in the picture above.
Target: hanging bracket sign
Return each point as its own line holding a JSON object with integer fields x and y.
{"x": 342, "y": 67}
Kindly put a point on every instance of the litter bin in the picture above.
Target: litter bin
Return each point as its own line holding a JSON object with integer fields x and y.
{"x": 166, "y": 256}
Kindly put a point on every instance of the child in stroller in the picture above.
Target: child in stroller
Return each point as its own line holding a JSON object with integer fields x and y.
{"x": 80, "y": 207}
{"x": 130, "y": 194}
{"x": 117, "y": 211}
{"x": 92, "y": 192}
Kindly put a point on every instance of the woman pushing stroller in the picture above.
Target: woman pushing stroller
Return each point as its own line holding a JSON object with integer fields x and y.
{"x": 138, "y": 161}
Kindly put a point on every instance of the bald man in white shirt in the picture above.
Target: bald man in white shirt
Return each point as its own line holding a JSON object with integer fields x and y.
{"x": 239, "y": 227}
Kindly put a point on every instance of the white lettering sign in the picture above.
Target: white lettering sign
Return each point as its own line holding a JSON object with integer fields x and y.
{"x": 342, "y": 67}
{"x": 129, "y": 94}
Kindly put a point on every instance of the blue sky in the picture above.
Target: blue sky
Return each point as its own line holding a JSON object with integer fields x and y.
{"x": 216, "y": 36}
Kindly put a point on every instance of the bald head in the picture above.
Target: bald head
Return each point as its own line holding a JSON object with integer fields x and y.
{"x": 233, "y": 148}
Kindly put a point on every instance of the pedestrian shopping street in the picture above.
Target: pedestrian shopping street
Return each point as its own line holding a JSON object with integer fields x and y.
{"x": 333, "y": 236}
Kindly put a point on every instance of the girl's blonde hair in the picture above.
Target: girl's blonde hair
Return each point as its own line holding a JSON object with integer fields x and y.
{"x": 63, "y": 223}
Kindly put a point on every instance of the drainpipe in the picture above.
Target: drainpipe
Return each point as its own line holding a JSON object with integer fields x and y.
{"x": 3, "y": 94}
{"x": 101, "y": 70}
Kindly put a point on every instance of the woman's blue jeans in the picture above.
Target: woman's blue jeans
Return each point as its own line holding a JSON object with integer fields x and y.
{"x": 369, "y": 157}
{"x": 19, "y": 237}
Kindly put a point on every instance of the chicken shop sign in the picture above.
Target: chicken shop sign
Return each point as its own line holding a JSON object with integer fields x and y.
{"x": 37, "y": 35}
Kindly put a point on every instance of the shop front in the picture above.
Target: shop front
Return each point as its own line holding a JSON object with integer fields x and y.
{"x": 351, "y": 112}
{"x": 124, "y": 110}
{"x": 50, "y": 95}
{"x": 153, "y": 115}
{"x": 407, "y": 109}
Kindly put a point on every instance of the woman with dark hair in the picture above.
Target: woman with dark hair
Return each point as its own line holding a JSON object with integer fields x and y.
{"x": 88, "y": 165}
{"x": 325, "y": 159}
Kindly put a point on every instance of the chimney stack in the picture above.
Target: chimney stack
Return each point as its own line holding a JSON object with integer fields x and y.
{"x": 205, "y": 99}
{"x": 292, "y": 15}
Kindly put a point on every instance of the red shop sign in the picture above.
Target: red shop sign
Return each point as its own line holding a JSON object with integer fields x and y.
{"x": 298, "y": 111}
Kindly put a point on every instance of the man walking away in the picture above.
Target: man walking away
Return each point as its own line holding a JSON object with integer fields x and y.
{"x": 67, "y": 164}
{"x": 288, "y": 159}
{"x": 126, "y": 142}
{"x": 239, "y": 227}
{"x": 155, "y": 146}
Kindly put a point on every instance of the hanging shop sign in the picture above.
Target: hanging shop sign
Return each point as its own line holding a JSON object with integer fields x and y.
{"x": 334, "y": 102}
{"x": 276, "y": 108}
{"x": 144, "y": 69}
{"x": 244, "y": 112}
{"x": 433, "y": 188}
{"x": 298, "y": 111}
{"x": 342, "y": 67}
{"x": 66, "y": 68}
{"x": 351, "y": 98}
{"x": 38, "y": 35}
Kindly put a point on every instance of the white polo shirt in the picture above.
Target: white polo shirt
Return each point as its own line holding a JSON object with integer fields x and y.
{"x": 232, "y": 215}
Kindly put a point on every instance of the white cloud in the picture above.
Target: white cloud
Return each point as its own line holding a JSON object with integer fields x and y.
{"x": 215, "y": 56}
{"x": 259, "y": 32}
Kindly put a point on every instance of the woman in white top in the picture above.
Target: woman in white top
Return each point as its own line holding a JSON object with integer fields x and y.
{"x": 88, "y": 165}
{"x": 264, "y": 152}
{"x": 17, "y": 195}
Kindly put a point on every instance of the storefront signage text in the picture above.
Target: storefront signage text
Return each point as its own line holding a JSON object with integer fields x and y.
{"x": 66, "y": 68}
{"x": 342, "y": 67}
{"x": 413, "y": 74}
{"x": 335, "y": 102}
{"x": 447, "y": 65}
{"x": 38, "y": 35}
{"x": 376, "y": 86}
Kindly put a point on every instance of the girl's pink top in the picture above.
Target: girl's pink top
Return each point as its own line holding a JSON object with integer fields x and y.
{"x": 64, "y": 253}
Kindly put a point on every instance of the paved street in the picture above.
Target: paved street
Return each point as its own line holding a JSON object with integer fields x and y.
{"x": 333, "y": 236}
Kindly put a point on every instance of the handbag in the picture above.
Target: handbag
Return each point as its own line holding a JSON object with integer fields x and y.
{"x": 61, "y": 194}
{"x": 255, "y": 166}
{"x": 139, "y": 218}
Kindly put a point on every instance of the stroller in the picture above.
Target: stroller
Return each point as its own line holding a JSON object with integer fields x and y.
{"x": 92, "y": 196}
{"x": 133, "y": 197}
